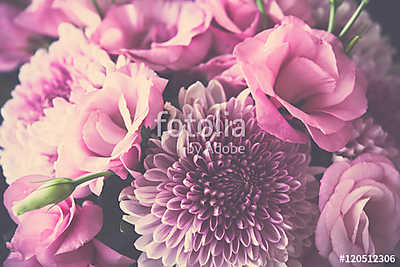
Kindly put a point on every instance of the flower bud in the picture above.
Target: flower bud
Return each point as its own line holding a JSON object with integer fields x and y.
{"x": 51, "y": 192}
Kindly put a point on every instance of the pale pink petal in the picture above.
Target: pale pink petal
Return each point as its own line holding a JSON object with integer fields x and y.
{"x": 329, "y": 181}
{"x": 86, "y": 224}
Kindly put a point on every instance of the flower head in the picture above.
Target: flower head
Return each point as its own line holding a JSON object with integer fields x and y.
{"x": 356, "y": 199}
{"x": 165, "y": 35}
{"x": 60, "y": 236}
{"x": 104, "y": 131}
{"x": 303, "y": 83}
{"x": 50, "y": 85}
{"x": 196, "y": 205}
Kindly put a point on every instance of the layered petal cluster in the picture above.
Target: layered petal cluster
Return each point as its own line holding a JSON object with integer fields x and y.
{"x": 165, "y": 35}
{"x": 356, "y": 199}
{"x": 197, "y": 206}
{"x": 60, "y": 236}
{"x": 236, "y": 20}
{"x": 104, "y": 130}
{"x": 302, "y": 81}
{"x": 50, "y": 84}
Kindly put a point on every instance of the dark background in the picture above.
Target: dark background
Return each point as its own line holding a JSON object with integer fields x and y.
{"x": 385, "y": 12}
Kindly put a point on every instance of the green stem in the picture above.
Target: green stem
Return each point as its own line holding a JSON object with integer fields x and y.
{"x": 353, "y": 42}
{"x": 261, "y": 7}
{"x": 353, "y": 18}
{"x": 332, "y": 15}
{"x": 98, "y": 9}
{"x": 89, "y": 177}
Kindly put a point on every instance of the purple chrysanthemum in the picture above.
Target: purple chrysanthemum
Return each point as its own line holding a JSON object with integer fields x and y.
{"x": 199, "y": 207}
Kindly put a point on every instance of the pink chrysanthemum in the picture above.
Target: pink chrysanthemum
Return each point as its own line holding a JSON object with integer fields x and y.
{"x": 204, "y": 208}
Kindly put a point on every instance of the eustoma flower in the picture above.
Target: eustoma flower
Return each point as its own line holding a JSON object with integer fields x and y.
{"x": 164, "y": 34}
{"x": 302, "y": 81}
{"x": 196, "y": 206}
{"x": 104, "y": 130}
{"x": 61, "y": 236}
{"x": 360, "y": 208}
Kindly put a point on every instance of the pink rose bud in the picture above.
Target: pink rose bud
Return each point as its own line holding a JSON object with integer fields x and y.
{"x": 51, "y": 192}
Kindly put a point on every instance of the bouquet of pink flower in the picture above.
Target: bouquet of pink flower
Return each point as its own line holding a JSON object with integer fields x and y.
{"x": 216, "y": 133}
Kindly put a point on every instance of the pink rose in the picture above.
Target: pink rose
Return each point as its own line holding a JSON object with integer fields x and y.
{"x": 163, "y": 34}
{"x": 60, "y": 236}
{"x": 302, "y": 81}
{"x": 239, "y": 19}
{"x": 16, "y": 43}
{"x": 104, "y": 132}
{"x": 360, "y": 208}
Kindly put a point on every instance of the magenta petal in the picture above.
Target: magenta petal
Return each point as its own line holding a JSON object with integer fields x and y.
{"x": 15, "y": 46}
{"x": 83, "y": 256}
{"x": 41, "y": 13}
{"x": 331, "y": 142}
{"x": 344, "y": 87}
{"x": 33, "y": 232}
{"x": 15, "y": 260}
{"x": 354, "y": 105}
{"x": 311, "y": 79}
{"x": 85, "y": 226}
{"x": 272, "y": 121}
{"x": 131, "y": 158}
{"x": 326, "y": 123}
